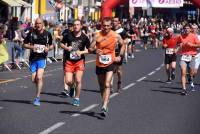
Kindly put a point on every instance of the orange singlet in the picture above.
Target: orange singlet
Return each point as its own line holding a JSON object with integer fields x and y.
{"x": 192, "y": 38}
{"x": 107, "y": 44}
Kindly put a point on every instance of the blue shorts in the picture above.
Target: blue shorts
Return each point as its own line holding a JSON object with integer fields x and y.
{"x": 35, "y": 65}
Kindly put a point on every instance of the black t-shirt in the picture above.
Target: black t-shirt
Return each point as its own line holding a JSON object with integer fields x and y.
{"x": 39, "y": 40}
{"x": 65, "y": 32}
{"x": 77, "y": 43}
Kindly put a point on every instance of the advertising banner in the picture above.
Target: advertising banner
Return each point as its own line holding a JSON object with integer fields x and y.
{"x": 156, "y": 3}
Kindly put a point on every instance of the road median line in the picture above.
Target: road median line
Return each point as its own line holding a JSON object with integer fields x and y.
{"x": 52, "y": 128}
{"x": 128, "y": 86}
{"x": 85, "y": 110}
{"x": 141, "y": 79}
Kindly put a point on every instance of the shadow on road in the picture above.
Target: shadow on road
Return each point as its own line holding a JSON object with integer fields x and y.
{"x": 54, "y": 94}
{"x": 167, "y": 91}
{"x": 156, "y": 81}
{"x": 168, "y": 87}
{"x": 51, "y": 94}
{"x": 88, "y": 113}
{"x": 90, "y": 90}
{"x": 56, "y": 102}
{"x": 18, "y": 101}
{"x": 30, "y": 102}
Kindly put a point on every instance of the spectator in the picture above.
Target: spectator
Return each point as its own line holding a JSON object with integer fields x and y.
{"x": 3, "y": 49}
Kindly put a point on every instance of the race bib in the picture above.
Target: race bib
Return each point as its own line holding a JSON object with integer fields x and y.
{"x": 74, "y": 56}
{"x": 38, "y": 48}
{"x": 105, "y": 59}
{"x": 186, "y": 58}
{"x": 169, "y": 51}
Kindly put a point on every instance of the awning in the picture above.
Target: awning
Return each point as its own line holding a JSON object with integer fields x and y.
{"x": 11, "y": 3}
{"x": 23, "y": 3}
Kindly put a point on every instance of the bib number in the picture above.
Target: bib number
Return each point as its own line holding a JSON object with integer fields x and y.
{"x": 186, "y": 58}
{"x": 105, "y": 59}
{"x": 74, "y": 56}
{"x": 38, "y": 48}
{"x": 169, "y": 51}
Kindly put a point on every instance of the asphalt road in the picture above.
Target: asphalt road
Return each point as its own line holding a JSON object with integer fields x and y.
{"x": 147, "y": 105}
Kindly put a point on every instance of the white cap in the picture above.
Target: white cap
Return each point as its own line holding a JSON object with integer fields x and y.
{"x": 171, "y": 30}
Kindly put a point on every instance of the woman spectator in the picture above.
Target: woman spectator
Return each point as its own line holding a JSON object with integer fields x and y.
{"x": 18, "y": 41}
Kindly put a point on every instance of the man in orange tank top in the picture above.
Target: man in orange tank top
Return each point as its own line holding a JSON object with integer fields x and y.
{"x": 103, "y": 45}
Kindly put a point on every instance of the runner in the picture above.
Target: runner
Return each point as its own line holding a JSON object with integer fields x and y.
{"x": 39, "y": 41}
{"x": 131, "y": 46}
{"x": 169, "y": 43}
{"x": 76, "y": 46}
{"x": 195, "y": 31}
{"x": 118, "y": 65}
{"x": 104, "y": 44}
{"x": 67, "y": 92}
{"x": 189, "y": 44}
{"x": 144, "y": 36}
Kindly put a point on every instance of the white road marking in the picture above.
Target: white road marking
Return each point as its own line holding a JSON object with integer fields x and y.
{"x": 151, "y": 73}
{"x": 141, "y": 79}
{"x": 128, "y": 86}
{"x": 86, "y": 109}
{"x": 113, "y": 95}
{"x": 1, "y": 108}
{"x": 52, "y": 128}
{"x": 157, "y": 68}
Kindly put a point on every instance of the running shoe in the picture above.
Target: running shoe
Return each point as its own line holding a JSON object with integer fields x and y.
{"x": 65, "y": 93}
{"x": 104, "y": 111}
{"x": 36, "y": 101}
{"x": 132, "y": 56}
{"x": 76, "y": 102}
{"x": 184, "y": 92}
{"x": 173, "y": 76}
{"x": 168, "y": 81}
{"x": 192, "y": 86}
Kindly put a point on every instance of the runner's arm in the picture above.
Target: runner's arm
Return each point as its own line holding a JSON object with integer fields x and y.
{"x": 87, "y": 45}
{"x": 65, "y": 47}
{"x": 122, "y": 44}
{"x": 92, "y": 48}
{"x": 28, "y": 46}
{"x": 79, "y": 53}
{"x": 28, "y": 41}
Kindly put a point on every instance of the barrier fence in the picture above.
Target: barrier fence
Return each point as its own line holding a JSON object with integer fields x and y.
{"x": 17, "y": 56}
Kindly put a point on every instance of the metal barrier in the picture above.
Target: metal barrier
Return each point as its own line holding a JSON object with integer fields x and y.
{"x": 53, "y": 56}
{"x": 22, "y": 56}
